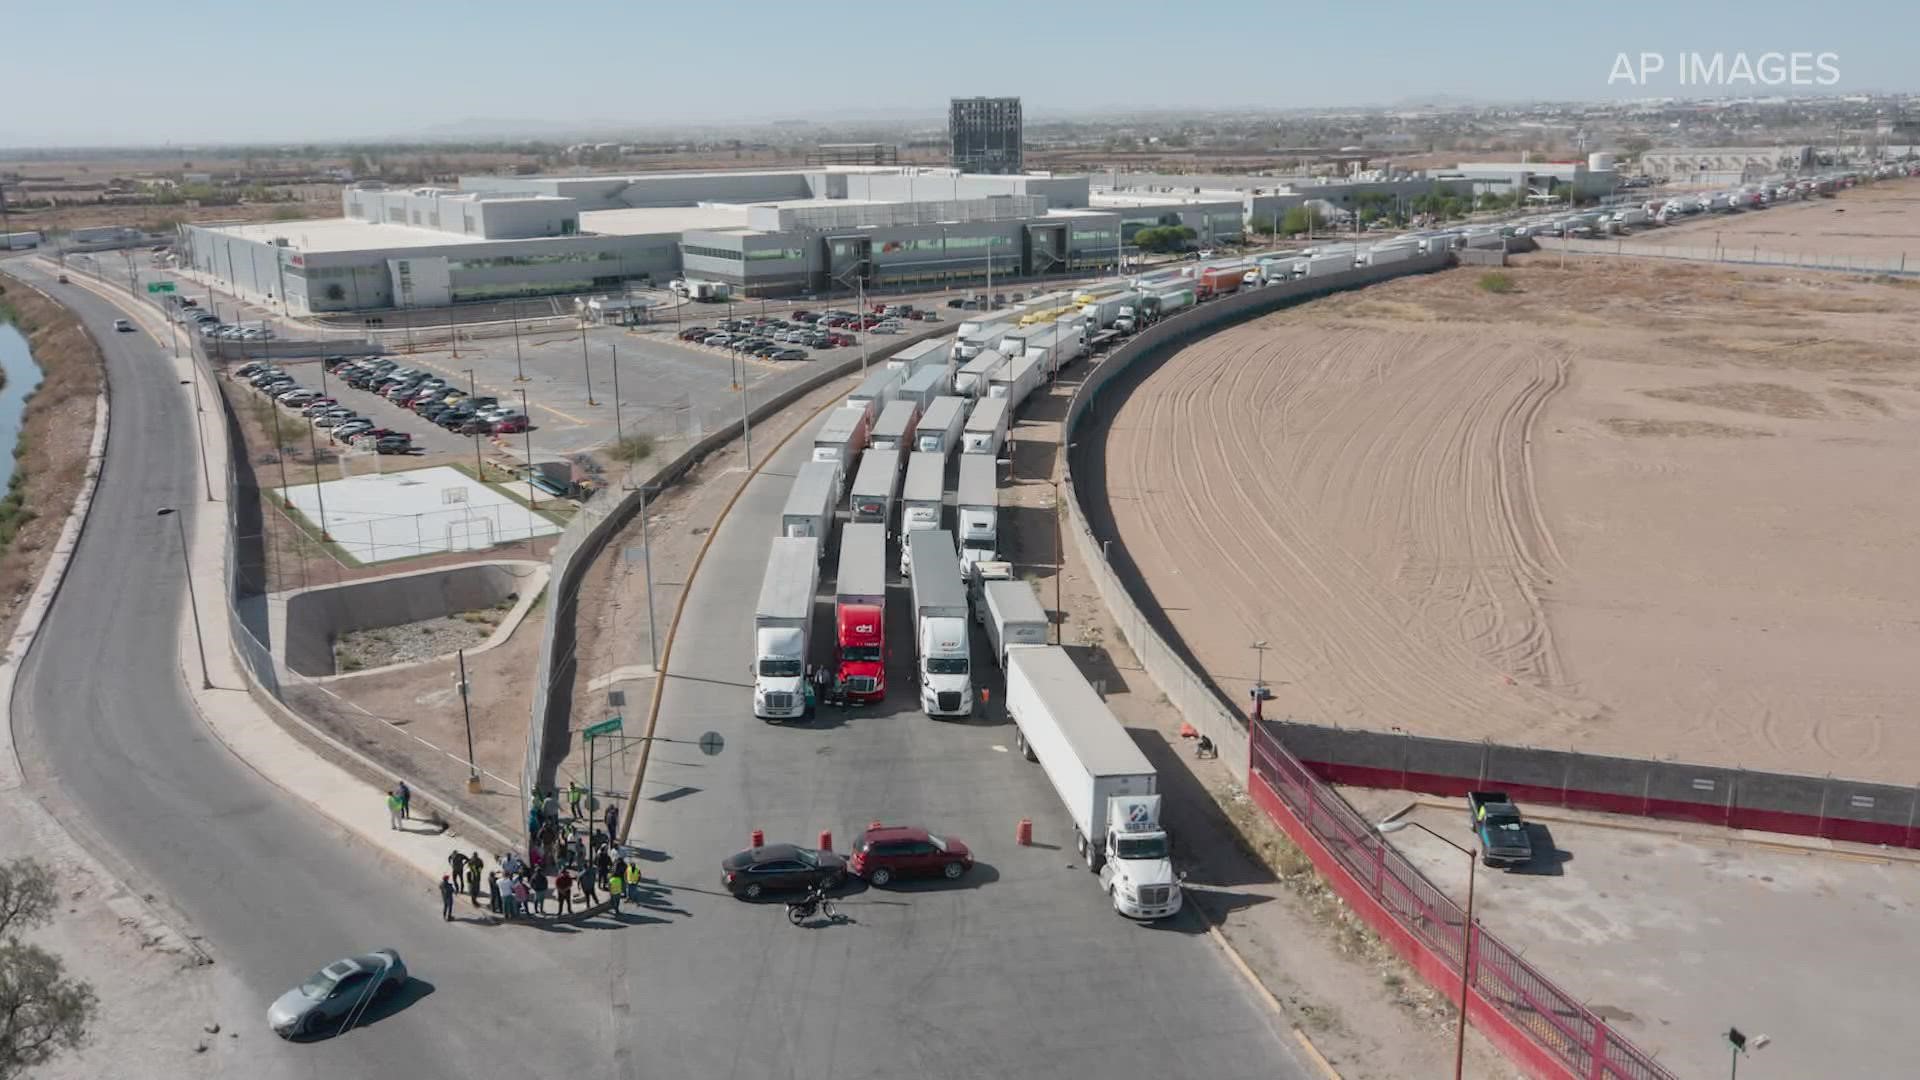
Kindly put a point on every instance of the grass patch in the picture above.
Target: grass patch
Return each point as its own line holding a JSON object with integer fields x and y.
{"x": 1494, "y": 281}
{"x": 558, "y": 511}
{"x": 632, "y": 450}
{"x": 310, "y": 532}
{"x": 14, "y": 514}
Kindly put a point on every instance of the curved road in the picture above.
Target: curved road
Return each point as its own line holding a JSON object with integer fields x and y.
{"x": 104, "y": 726}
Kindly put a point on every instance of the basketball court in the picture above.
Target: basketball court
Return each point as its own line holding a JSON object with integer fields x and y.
{"x": 376, "y": 517}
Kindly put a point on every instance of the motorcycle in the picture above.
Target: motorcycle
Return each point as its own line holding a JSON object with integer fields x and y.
{"x": 816, "y": 902}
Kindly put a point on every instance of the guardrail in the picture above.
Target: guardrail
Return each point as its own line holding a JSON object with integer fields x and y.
{"x": 1532, "y": 1021}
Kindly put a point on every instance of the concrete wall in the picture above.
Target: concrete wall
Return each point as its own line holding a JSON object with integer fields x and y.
{"x": 314, "y": 617}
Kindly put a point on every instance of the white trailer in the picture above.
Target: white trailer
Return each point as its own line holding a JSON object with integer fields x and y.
{"x": 810, "y": 502}
{"x": 940, "y": 426}
{"x": 879, "y": 387}
{"x": 1105, "y": 311}
{"x": 923, "y": 501}
{"x": 874, "y": 486}
{"x": 1017, "y": 380}
{"x": 1382, "y": 256}
{"x": 986, "y": 429}
{"x": 1332, "y": 262}
{"x": 1013, "y": 616}
{"x": 978, "y": 509}
{"x": 894, "y": 429}
{"x": 1109, "y": 789}
{"x": 971, "y": 380}
{"x": 924, "y": 385}
{"x": 841, "y": 438}
{"x": 782, "y": 627}
{"x": 943, "y": 660}
{"x": 933, "y": 352}
{"x": 984, "y": 337}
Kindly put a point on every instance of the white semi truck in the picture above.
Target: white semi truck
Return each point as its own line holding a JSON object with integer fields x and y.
{"x": 940, "y": 426}
{"x": 978, "y": 510}
{"x": 922, "y": 501}
{"x": 983, "y": 337}
{"x": 986, "y": 430}
{"x": 1017, "y": 380}
{"x": 924, "y": 385}
{"x": 871, "y": 500}
{"x": 1110, "y": 791}
{"x": 933, "y": 352}
{"x": 1105, "y": 311}
{"x": 782, "y": 627}
{"x": 841, "y": 438}
{"x": 943, "y": 662}
{"x": 879, "y": 387}
{"x": 810, "y": 503}
{"x": 971, "y": 380}
{"x": 1013, "y": 617}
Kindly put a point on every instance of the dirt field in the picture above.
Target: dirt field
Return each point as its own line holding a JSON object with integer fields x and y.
{"x": 1632, "y": 508}
{"x": 1881, "y": 220}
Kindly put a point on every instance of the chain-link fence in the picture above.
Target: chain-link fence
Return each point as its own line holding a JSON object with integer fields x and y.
{"x": 1748, "y": 254}
{"x": 1551, "y": 1030}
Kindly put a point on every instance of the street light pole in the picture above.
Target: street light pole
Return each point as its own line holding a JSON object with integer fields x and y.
{"x": 619, "y": 435}
{"x": 519, "y": 372}
{"x": 1059, "y": 614}
{"x": 466, "y": 711}
{"x": 186, "y": 563}
{"x": 646, "y": 560}
{"x": 586, "y": 368}
{"x": 1466, "y": 936}
{"x": 533, "y": 494}
{"x": 313, "y": 451}
{"x": 479, "y": 470}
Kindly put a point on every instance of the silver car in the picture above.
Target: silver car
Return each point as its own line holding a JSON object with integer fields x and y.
{"x": 336, "y": 995}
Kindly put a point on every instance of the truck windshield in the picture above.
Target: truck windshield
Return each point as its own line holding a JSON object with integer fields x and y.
{"x": 1505, "y": 824}
{"x": 861, "y": 654}
{"x": 951, "y": 665}
{"x": 780, "y": 669}
{"x": 1141, "y": 847}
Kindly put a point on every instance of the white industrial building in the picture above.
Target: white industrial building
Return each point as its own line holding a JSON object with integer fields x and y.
{"x": 763, "y": 232}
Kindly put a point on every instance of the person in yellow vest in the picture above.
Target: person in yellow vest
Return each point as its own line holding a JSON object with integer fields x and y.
{"x": 616, "y": 886}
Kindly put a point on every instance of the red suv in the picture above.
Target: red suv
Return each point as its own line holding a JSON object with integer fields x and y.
{"x": 886, "y": 852}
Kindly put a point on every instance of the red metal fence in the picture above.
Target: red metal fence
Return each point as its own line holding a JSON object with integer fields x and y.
{"x": 1531, "y": 1019}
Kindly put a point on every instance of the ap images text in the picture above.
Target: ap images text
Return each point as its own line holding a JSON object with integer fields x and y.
{"x": 1723, "y": 69}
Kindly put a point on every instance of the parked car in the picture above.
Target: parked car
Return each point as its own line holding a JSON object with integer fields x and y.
{"x": 779, "y": 867}
{"x": 334, "y": 419}
{"x": 347, "y": 430}
{"x": 249, "y": 368}
{"x": 510, "y": 424}
{"x": 391, "y": 445}
{"x": 789, "y": 354}
{"x": 329, "y": 995}
{"x": 319, "y": 405}
{"x": 899, "y": 851}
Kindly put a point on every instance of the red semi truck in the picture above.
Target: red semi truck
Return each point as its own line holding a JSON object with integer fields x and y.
{"x": 1220, "y": 280}
{"x": 859, "y": 614}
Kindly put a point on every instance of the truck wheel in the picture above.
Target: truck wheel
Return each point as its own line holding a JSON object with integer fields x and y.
{"x": 1080, "y": 846}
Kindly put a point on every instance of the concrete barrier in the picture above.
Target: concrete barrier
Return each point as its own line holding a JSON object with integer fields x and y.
{"x": 307, "y": 621}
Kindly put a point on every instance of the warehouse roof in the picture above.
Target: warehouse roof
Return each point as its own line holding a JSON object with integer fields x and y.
{"x": 347, "y": 234}
{"x": 647, "y": 220}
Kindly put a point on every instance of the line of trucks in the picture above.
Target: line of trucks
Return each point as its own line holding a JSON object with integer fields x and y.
{"x": 883, "y": 457}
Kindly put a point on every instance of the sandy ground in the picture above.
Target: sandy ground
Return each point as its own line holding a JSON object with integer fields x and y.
{"x": 1634, "y": 509}
{"x": 1881, "y": 220}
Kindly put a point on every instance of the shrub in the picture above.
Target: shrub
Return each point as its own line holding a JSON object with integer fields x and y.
{"x": 633, "y": 449}
{"x": 1494, "y": 281}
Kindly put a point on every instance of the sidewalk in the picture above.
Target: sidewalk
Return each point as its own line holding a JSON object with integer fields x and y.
{"x": 242, "y": 722}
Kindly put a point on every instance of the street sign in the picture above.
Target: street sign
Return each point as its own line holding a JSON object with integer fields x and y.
{"x": 711, "y": 743}
{"x": 604, "y": 727}
{"x": 159, "y": 286}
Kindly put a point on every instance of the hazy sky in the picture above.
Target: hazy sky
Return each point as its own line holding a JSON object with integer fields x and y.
{"x": 118, "y": 71}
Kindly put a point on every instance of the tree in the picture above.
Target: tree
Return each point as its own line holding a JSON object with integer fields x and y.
{"x": 42, "y": 1012}
{"x": 1299, "y": 219}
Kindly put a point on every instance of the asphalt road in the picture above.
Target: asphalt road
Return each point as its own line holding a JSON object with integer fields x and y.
{"x": 109, "y": 739}
{"x": 1023, "y": 969}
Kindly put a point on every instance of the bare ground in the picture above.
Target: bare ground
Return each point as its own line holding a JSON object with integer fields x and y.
{"x": 1640, "y": 509}
{"x": 56, "y": 431}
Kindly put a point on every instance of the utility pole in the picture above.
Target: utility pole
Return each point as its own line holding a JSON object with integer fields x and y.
{"x": 646, "y": 559}
{"x": 519, "y": 372}
{"x": 313, "y": 449}
{"x": 586, "y": 368}
{"x": 479, "y": 470}
{"x": 466, "y": 712}
{"x": 619, "y": 435}
{"x": 533, "y": 494}
{"x": 746, "y": 428}
{"x": 453, "y": 332}
{"x": 1059, "y": 567}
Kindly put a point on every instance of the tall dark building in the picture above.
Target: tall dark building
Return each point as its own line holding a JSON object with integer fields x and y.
{"x": 985, "y": 134}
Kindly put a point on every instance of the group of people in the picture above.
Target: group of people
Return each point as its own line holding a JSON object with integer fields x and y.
{"x": 557, "y": 863}
{"x": 520, "y": 889}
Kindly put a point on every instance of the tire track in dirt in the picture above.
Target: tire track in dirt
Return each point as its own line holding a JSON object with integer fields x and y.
{"x": 1363, "y": 501}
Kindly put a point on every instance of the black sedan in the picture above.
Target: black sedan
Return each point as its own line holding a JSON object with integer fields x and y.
{"x": 757, "y": 871}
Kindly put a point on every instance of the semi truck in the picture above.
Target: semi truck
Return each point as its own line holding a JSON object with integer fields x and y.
{"x": 782, "y": 623}
{"x": 1017, "y": 380}
{"x": 879, "y": 387}
{"x": 1332, "y": 262}
{"x": 939, "y": 428}
{"x": 985, "y": 336}
{"x": 860, "y": 614}
{"x": 978, "y": 509}
{"x": 810, "y": 502}
{"x": 871, "y": 501}
{"x": 986, "y": 430}
{"x": 1110, "y": 791}
{"x": 894, "y": 430}
{"x": 924, "y": 385}
{"x": 1059, "y": 347}
{"x": 922, "y": 501}
{"x": 933, "y": 352}
{"x": 971, "y": 380}
{"x": 841, "y": 439}
{"x": 1013, "y": 617}
{"x": 943, "y": 664}
{"x": 1392, "y": 253}
{"x": 1103, "y": 312}
{"x": 1222, "y": 280}
{"x": 1164, "y": 302}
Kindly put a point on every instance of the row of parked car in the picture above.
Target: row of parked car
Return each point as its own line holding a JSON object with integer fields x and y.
{"x": 342, "y": 425}
{"x": 751, "y": 341}
{"x": 431, "y": 397}
{"x": 193, "y": 316}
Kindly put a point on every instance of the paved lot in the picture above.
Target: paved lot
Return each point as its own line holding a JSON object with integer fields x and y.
{"x": 397, "y": 515}
{"x": 1678, "y": 938}
{"x": 1021, "y": 970}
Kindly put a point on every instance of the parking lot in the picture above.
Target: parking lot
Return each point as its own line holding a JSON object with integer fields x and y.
{"x": 1677, "y": 934}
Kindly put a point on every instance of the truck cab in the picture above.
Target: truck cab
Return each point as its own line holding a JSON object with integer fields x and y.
{"x": 860, "y": 647}
{"x": 779, "y": 673}
{"x": 1136, "y": 864}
